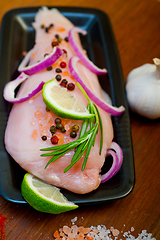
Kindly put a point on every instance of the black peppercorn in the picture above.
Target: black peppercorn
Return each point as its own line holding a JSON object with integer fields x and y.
{"x": 73, "y": 134}
{"x": 58, "y": 77}
{"x": 56, "y": 36}
{"x": 44, "y": 138}
{"x": 58, "y": 70}
{"x": 66, "y": 39}
{"x": 46, "y": 54}
{"x": 64, "y": 81}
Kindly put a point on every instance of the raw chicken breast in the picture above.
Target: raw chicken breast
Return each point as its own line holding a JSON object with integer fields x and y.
{"x": 29, "y": 121}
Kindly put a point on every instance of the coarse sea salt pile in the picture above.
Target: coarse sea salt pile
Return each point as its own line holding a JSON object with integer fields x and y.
{"x": 99, "y": 232}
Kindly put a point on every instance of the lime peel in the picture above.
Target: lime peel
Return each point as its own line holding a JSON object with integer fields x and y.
{"x": 44, "y": 197}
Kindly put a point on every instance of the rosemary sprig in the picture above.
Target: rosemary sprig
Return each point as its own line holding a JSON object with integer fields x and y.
{"x": 85, "y": 141}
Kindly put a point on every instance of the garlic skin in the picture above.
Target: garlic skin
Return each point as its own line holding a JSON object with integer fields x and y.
{"x": 143, "y": 90}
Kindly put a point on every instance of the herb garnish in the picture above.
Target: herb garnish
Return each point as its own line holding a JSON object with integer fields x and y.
{"x": 85, "y": 141}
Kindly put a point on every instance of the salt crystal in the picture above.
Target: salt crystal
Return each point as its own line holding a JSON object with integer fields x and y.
{"x": 95, "y": 230}
{"x": 114, "y": 231}
{"x": 102, "y": 234}
{"x": 86, "y": 230}
{"x": 74, "y": 227}
{"x": 66, "y": 230}
{"x": 74, "y": 220}
{"x": 99, "y": 227}
{"x": 72, "y": 234}
{"x": 93, "y": 233}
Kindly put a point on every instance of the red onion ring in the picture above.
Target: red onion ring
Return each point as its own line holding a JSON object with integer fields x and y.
{"x": 117, "y": 155}
{"x": 80, "y": 53}
{"x": 118, "y": 151}
{"x": 39, "y": 66}
{"x": 105, "y": 106}
{"x": 8, "y": 92}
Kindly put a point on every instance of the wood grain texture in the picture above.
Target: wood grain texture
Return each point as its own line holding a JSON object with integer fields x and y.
{"x": 136, "y": 25}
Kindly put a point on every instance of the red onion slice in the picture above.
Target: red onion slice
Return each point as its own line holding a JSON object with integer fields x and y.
{"x": 80, "y": 53}
{"x": 39, "y": 66}
{"x": 118, "y": 151}
{"x": 105, "y": 106}
{"x": 8, "y": 92}
{"x": 117, "y": 155}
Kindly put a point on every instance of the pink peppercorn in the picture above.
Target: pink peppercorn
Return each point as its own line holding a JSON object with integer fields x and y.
{"x": 54, "y": 139}
{"x": 63, "y": 64}
{"x": 71, "y": 86}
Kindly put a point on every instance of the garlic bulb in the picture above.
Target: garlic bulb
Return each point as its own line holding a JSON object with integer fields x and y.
{"x": 143, "y": 90}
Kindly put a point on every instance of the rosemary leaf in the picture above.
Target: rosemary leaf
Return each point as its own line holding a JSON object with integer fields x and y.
{"x": 84, "y": 127}
{"x": 90, "y": 143}
{"x": 73, "y": 162}
{"x": 54, "y": 158}
{"x": 79, "y": 149}
{"x": 92, "y": 119}
{"x": 77, "y": 155}
{"x": 101, "y": 127}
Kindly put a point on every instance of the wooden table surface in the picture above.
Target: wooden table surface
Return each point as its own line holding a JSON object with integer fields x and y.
{"x": 136, "y": 25}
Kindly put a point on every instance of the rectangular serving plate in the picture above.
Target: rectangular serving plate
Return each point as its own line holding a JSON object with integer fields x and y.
{"x": 17, "y": 35}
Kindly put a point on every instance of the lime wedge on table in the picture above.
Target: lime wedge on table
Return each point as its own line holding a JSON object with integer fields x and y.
{"x": 44, "y": 197}
{"x": 62, "y": 103}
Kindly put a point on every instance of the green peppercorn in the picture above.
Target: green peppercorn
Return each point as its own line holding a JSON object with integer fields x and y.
{"x": 53, "y": 129}
{"x": 57, "y": 120}
{"x": 47, "y": 109}
{"x": 42, "y": 26}
{"x": 73, "y": 134}
{"x": 49, "y": 68}
{"x": 75, "y": 128}
{"x": 59, "y": 126}
{"x": 63, "y": 130}
{"x": 59, "y": 39}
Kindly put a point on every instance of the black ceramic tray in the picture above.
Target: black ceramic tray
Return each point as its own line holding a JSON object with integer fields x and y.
{"x": 17, "y": 35}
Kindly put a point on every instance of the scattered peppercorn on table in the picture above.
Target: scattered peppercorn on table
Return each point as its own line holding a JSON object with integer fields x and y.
{"x": 137, "y": 35}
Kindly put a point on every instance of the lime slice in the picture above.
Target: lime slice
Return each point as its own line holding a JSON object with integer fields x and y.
{"x": 44, "y": 197}
{"x": 62, "y": 103}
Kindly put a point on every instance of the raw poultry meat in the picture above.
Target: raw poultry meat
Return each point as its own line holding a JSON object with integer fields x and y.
{"x": 29, "y": 121}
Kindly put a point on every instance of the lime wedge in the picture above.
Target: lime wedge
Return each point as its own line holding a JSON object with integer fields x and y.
{"x": 44, "y": 197}
{"x": 62, "y": 103}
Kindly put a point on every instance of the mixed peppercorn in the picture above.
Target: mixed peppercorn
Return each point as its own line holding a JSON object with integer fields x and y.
{"x": 64, "y": 83}
{"x": 59, "y": 126}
